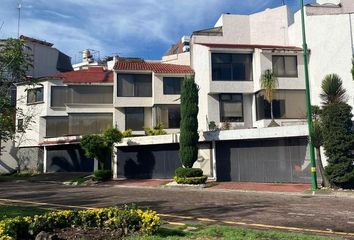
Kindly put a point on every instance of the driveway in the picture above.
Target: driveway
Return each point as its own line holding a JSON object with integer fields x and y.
{"x": 311, "y": 212}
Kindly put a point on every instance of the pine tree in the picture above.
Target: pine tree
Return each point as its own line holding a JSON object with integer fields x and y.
{"x": 188, "y": 152}
{"x": 338, "y": 144}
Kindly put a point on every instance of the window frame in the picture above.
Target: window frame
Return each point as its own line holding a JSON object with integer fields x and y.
{"x": 222, "y": 118}
{"x": 285, "y": 75}
{"x": 126, "y": 119}
{"x": 172, "y": 79}
{"x": 134, "y": 84}
{"x": 36, "y": 101}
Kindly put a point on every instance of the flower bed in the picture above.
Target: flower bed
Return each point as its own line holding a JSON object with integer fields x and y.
{"x": 126, "y": 219}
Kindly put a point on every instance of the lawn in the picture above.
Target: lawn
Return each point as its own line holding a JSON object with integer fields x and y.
{"x": 8, "y": 211}
{"x": 225, "y": 232}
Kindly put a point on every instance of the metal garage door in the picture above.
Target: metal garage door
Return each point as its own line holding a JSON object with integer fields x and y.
{"x": 266, "y": 160}
{"x": 68, "y": 158}
{"x": 151, "y": 161}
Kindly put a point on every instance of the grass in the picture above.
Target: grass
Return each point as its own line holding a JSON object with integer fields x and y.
{"x": 215, "y": 232}
{"x": 9, "y": 211}
{"x": 80, "y": 180}
{"x": 16, "y": 176}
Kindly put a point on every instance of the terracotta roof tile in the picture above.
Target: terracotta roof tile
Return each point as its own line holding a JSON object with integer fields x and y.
{"x": 154, "y": 67}
{"x": 90, "y": 75}
{"x": 249, "y": 46}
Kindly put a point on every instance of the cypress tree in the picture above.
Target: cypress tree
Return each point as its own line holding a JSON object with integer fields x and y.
{"x": 188, "y": 152}
{"x": 339, "y": 144}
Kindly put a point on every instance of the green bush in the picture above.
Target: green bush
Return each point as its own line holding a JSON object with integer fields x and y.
{"x": 157, "y": 130}
{"x": 102, "y": 175}
{"x": 129, "y": 219}
{"x": 191, "y": 180}
{"x": 188, "y": 172}
{"x": 127, "y": 133}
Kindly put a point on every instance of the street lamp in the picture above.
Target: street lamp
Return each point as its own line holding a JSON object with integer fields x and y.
{"x": 308, "y": 100}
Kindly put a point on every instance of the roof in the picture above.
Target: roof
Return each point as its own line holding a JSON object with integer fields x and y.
{"x": 36, "y": 40}
{"x": 215, "y": 31}
{"x": 175, "y": 49}
{"x": 154, "y": 67}
{"x": 249, "y": 46}
{"x": 90, "y": 75}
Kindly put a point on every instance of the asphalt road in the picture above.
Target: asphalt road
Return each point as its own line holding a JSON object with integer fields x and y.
{"x": 314, "y": 212}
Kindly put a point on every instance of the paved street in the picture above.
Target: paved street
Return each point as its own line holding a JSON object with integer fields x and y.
{"x": 324, "y": 213}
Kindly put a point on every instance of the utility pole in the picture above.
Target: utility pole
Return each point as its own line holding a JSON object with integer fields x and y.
{"x": 18, "y": 20}
{"x": 308, "y": 100}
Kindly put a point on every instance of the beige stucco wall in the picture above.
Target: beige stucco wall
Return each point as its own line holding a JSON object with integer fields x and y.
{"x": 180, "y": 58}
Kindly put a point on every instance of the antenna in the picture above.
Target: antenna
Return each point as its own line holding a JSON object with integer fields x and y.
{"x": 19, "y": 19}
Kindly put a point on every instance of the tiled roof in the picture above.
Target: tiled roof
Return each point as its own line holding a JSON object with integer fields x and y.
{"x": 154, "y": 67}
{"x": 249, "y": 46}
{"x": 90, "y": 75}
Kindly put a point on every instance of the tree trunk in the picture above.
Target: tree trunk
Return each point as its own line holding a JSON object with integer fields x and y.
{"x": 325, "y": 182}
{"x": 271, "y": 110}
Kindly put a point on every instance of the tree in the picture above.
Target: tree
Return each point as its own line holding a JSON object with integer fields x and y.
{"x": 332, "y": 90}
{"x": 189, "y": 137}
{"x": 317, "y": 141}
{"x": 269, "y": 83}
{"x": 14, "y": 63}
{"x": 338, "y": 144}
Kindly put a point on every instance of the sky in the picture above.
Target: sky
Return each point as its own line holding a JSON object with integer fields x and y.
{"x": 129, "y": 28}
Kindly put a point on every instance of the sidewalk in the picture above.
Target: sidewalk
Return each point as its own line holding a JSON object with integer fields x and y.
{"x": 263, "y": 187}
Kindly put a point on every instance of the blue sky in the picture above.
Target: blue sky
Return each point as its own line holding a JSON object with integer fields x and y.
{"x": 139, "y": 28}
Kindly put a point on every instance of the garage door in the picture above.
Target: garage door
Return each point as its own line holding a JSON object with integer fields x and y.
{"x": 266, "y": 160}
{"x": 151, "y": 161}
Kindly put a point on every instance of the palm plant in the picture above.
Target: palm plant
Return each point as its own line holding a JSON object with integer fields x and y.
{"x": 332, "y": 90}
{"x": 269, "y": 82}
{"x": 316, "y": 137}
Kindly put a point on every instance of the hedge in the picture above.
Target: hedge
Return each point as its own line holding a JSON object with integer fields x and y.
{"x": 129, "y": 219}
{"x": 191, "y": 180}
{"x": 188, "y": 172}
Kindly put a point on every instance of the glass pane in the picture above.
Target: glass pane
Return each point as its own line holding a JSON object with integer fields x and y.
{"x": 231, "y": 107}
{"x": 56, "y": 126}
{"x": 125, "y": 85}
{"x": 39, "y": 94}
{"x": 143, "y": 85}
{"x": 237, "y": 68}
{"x": 80, "y": 124}
{"x": 58, "y": 96}
{"x": 291, "y": 66}
{"x": 221, "y": 58}
{"x": 92, "y": 94}
{"x": 35, "y": 95}
{"x": 278, "y": 66}
{"x": 134, "y": 119}
{"x": 134, "y": 85}
{"x": 222, "y": 71}
{"x": 172, "y": 85}
{"x": 174, "y": 117}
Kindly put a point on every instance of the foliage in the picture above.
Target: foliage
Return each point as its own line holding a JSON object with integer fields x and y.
{"x": 188, "y": 172}
{"x": 94, "y": 145}
{"x": 129, "y": 219}
{"x": 127, "y": 133}
{"x": 212, "y": 126}
{"x": 111, "y": 136}
{"x": 102, "y": 175}
{"x": 189, "y": 136}
{"x": 10, "y": 211}
{"x": 191, "y": 180}
{"x": 157, "y": 130}
{"x": 338, "y": 143}
{"x": 316, "y": 112}
{"x": 269, "y": 83}
{"x": 226, "y": 125}
{"x": 332, "y": 90}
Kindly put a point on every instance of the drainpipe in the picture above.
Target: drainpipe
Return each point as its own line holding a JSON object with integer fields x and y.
{"x": 45, "y": 160}
{"x": 213, "y": 157}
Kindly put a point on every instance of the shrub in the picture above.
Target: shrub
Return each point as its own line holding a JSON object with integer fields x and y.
{"x": 157, "y": 130}
{"x": 127, "y": 133}
{"x": 102, "y": 175}
{"x": 188, "y": 172}
{"x": 212, "y": 126}
{"x": 226, "y": 125}
{"x": 188, "y": 151}
{"x": 191, "y": 180}
{"x": 126, "y": 218}
{"x": 111, "y": 136}
{"x": 94, "y": 145}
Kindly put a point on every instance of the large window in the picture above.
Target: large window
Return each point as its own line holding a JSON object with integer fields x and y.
{"x": 287, "y": 104}
{"x": 231, "y": 67}
{"x": 134, "y": 85}
{"x": 285, "y": 66}
{"x": 134, "y": 118}
{"x": 56, "y": 126}
{"x": 62, "y": 95}
{"x": 169, "y": 115}
{"x": 88, "y": 123}
{"x": 35, "y": 95}
{"x": 231, "y": 108}
{"x": 172, "y": 85}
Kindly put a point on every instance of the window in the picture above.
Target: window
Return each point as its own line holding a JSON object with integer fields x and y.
{"x": 169, "y": 115}
{"x": 285, "y": 66}
{"x": 231, "y": 67}
{"x": 134, "y": 118}
{"x": 134, "y": 85}
{"x": 287, "y": 104}
{"x": 35, "y": 95}
{"x": 56, "y": 126}
{"x": 231, "y": 107}
{"x": 89, "y": 123}
{"x": 20, "y": 126}
{"x": 172, "y": 85}
{"x": 62, "y": 95}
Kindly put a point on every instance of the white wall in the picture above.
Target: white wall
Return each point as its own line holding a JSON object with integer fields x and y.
{"x": 180, "y": 58}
